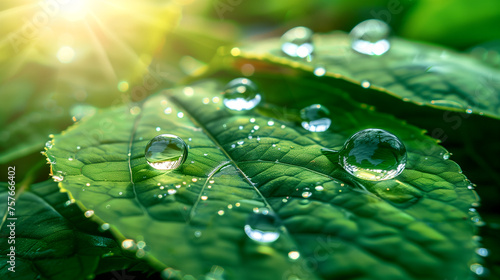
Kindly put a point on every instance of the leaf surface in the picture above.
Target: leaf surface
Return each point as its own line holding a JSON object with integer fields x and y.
{"x": 192, "y": 219}
{"x": 417, "y": 73}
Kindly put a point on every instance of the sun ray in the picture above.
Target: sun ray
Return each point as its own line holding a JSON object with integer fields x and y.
{"x": 131, "y": 52}
{"x": 143, "y": 17}
{"x": 14, "y": 10}
{"x": 103, "y": 56}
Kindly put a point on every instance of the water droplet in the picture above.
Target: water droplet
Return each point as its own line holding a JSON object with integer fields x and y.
{"x": 293, "y": 255}
{"x": 204, "y": 197}
{"x": 370, "y": 37}
{"x": 220, "y": 212}
{"x": 78, "y": 147}
{"x": 252, "y": 120}
{"x": 446, "y": 156}
{"x": 315, "y": 118}
{"x": 89, "y": 213}
{"x": 70, "y": 159}
{"x": 468, "y": 111}
{"x": 256, "y": 127}
{"x": 483, "y": 252}
{"x": 197, "y": 233}
{"x": 297, "y": 42}
{"x": 365, "y": 84}
{"x": 319, "y": 188}
{"x": 319, "y": 71}
{"x": 180, "y": 115}
{"x": 306, "y": 194}
{"x": 172, "y": 191}
{"x": 240, "y": 127}
{"x": 58, "y": 178}
{"x": 158, "y": 128}
{"x": 168, "y": 111}
{"x": 88, "y": 184}
{"x": 166, "y": 152}
{"x": 270, "y": 123}
{"x": 241, "y": 142}
{"x": 105, "y": 226}
{"x": 128, "y": 244}
{"x": 48, "y": 144}
{"x": 262, "y": 227}
{"x": 241, "y": 94}
{"x": 373, "y": 154}
{"x": 69, "y": 202}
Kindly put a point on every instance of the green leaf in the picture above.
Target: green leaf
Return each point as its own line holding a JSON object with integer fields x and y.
{"x": 52, "y": 238}
{"x": 192, "y": 219}
{"x": 417, "y": 73}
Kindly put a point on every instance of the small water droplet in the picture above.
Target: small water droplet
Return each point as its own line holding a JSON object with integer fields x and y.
{"x": 240, "y": 127}
{"x": 220, "y": 212}
{"x": 297, "y": 42}
{"x": 262, "y": 227}
{"x": 306, "y": 194}
{"x": 78, "y": 147}
{"x": 241, "y": 94}
{"x": 315, "y": 118}
{"x": 483, "y": 252}
{"x": 241, "y": 142}
{"x": 69, "y": 202}
{"x": 172, "y": 191}
{"x": 365, "y": 84}
{"x": 128, "y": 244}
{"x": 370, "y": 37}
{"x": 48, "y": 144}
{"x": 468, "y": 111}
{"x": 256, "y": 127}
{"x": 197, "y": 233}
{"x": 166, "y": 152}
{"x": 105, "y": 227}
{"x": 204, "y": 197}
{"x": 319, "y": 71}
{"x": 233, "y": 145}
{"x": 168, "y": 111}
{"x": 180, "y": 115}
{"x": 293, "y": 255}
{"x": 89, "y": 213}
{"x": 58, "y": 178}
{"x": 158, "y": 128}
{"x": 446, "y": 156}
{"x": 270, "y": 123}
{"x": 319, "y": 188}
{"x": 373, "y": 154}
{"x": 252, "y": 120}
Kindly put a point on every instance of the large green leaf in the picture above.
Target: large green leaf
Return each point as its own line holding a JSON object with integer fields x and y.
{"x": 416, "y": 73}
{"x": 191, "y": 219}
{"x": 52, "y": 237}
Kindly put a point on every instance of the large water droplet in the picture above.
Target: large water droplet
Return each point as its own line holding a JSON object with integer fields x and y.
{"x": 297, "y": 42}
{"x": 370, "y": 37}
{"x": 315, "y": 118}
{"x": 166, "y": 152}
{"x": 373, "y": 154}
{"x": 241, "y": 94}
{"x": 262, "y": 227}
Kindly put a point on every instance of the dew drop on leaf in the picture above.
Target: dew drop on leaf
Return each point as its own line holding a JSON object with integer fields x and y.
{"x": 315, "y": 118}
{"x": 297, "y": 42}
{"x": 370, "y": 37}
{"x": 166, "y": 152}
{"x": 373, "y": 154}
{"x": 262, "y": 226}
{"x": 241, "y": 94}
{"x": 48, "y": 144}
